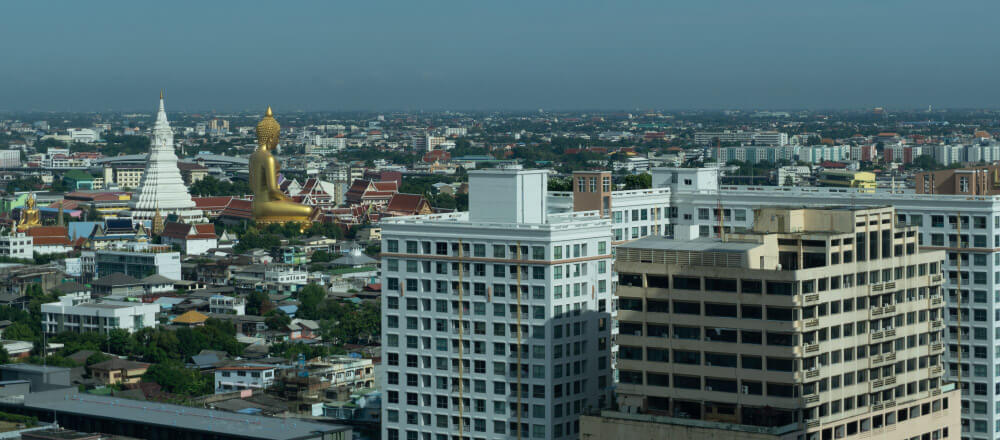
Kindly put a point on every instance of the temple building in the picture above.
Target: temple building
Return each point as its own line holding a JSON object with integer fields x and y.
{"x": 162, "y": 187}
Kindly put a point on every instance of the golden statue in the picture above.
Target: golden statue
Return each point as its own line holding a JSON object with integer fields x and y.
{"x": 270, "y": 205}
{"x": 30, "y": 217}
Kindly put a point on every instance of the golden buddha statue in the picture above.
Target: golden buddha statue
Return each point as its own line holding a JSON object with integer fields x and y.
{"x": 270, "y": 205}
{"x": 30, "y": 216}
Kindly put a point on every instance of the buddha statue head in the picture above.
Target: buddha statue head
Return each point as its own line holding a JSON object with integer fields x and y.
{"x": 30, "y": 203}
{"x": 268, "y": 131}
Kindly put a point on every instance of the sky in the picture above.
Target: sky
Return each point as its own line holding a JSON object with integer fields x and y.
{"x": 499, "y": 55}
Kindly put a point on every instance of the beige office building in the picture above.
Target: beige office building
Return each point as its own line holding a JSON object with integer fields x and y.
{"x": 817, "y": 324}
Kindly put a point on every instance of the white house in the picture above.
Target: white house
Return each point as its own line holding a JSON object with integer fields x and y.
{"x": 244, "y": 377}
{"x": 227, "y": 305}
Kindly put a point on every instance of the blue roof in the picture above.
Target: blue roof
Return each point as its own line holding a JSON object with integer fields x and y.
{"x": 289, "y": 309}
{"x": 81, "y": 229}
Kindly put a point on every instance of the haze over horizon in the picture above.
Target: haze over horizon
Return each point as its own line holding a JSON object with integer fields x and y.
{"x": 365, "y": 56}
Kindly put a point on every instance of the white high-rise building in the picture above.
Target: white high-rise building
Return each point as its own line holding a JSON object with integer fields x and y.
{"x": 162, "y": 187}
{"x": 10, "y": 158}
{"x": 463, "y": 352}
{"x": 693, "y": 212}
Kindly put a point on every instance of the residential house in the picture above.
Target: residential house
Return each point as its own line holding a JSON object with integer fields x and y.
{"x": 118, "y": 371}
{"x": 244, "y": 377}
{"x": 300, "y": 329}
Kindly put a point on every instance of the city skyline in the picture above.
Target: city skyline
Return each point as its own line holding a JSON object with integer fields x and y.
{"x": 410, "y": 57}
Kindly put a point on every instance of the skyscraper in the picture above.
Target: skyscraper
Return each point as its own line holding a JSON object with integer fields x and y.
{"x": 496, "y": 319}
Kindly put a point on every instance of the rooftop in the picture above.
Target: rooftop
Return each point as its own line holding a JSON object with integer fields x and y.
{"x": 703, "y": 244}
{"x": 159, "y": 414}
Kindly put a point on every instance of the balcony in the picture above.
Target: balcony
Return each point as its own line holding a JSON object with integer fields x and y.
{"x": 812, "y": 398}
{"x": 811, "y": 298}
{"x": 937, "y": 347}
{"x": 937, "y": 324}
{"x": 876, "y": 336}
{"x": 936, "y": 301}
{"x": 876, "y": 311}
{"x": 811, "y": 348}
{"x": 877, "y": 287}
{"x": 812, "y": 322}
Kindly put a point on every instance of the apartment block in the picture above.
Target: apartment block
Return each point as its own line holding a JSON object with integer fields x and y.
{"x": 495, "y": 322}
{"x": 80, "y": 313}
{"x": 813, "y": 324}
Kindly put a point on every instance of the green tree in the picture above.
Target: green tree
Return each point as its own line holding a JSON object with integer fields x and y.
{"x": 638, "y": 181}
{"x": 310, "y": 297}
{"x": 173, "y": 377}
{"x": 557, "y": 184}
{"x": 277, "y": 320}
{"x": 259, "y": 304}
{"x": 321, "y": 256}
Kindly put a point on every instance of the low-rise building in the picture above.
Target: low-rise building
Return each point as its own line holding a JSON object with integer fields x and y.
{"x": 138, "y": 263}
{"x": 17, "y": 245}
{"x": 227, "y": 305}
{"x": 192, "y": 239}
{"x": 345, "y": 371}
{"x": 118, "y": 371}
{"x": 244, "y": 377}
{"x": 80, "y": 313}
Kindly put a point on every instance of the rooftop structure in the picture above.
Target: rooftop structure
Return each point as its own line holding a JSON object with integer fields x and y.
{"x": 160, "y": 420}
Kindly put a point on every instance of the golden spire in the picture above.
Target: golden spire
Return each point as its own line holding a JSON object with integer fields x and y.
{"x": 161, "y": 93}
{"x": 269, "y": 113}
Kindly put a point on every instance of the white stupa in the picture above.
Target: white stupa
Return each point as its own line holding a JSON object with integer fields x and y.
{"x": 162, "y": 188}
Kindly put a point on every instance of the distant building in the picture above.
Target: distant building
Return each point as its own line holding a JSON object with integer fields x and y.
{"x": 83, "y": 135}
{"x": 10, "y": 159}
{"x": 771, "y": 138}
{"x": 427, "y": 143}
{"x": 981, "y": 181}
{"x": 846, "y": 178}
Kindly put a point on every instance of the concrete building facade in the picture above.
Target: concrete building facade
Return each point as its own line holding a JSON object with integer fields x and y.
{"x": 828, "y": 320}
{"x": 496, "y": 320}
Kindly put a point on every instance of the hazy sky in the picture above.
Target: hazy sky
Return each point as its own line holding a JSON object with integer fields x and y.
{"x": 510, "y": 55}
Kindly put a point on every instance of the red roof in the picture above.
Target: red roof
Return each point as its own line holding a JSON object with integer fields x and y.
{"x": 49, "y": 235}
{"x": 238, "y": 208}
{"x": 406, "y": 204}
{"x": 828, "y": 164}
{"x": 211, "y": 202}
{"x": 389, "y": 185}
{"x": 184, "y": 231}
